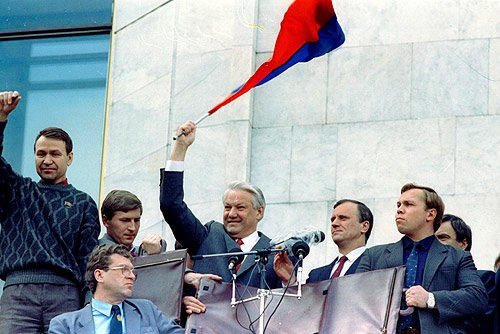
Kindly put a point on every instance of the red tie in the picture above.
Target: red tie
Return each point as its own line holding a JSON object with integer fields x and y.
{"x": 337, "y": 271}
{"x": 239, "y": 242}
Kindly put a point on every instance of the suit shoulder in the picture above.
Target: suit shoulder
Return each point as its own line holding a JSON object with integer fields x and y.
{"x": 70, "y": 315}
{"x": 139, "y": 301}
{"x": 380, "y": 248}
{"x": 319, "y": 269}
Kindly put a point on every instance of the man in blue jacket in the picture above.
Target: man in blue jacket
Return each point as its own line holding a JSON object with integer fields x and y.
{"x": 110, "y": 276}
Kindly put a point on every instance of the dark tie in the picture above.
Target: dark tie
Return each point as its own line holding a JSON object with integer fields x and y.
{"x": 410, "y": 278}
{"x": 337, "y": 271}
{"x": 133, "y": 252}
{"x": 115, "y": 326}
{"x": 239, "y": 242}
{"x": 411, "y": 267}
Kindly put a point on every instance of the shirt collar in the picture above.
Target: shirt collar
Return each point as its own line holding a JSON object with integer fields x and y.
{"x": 251, "y": 239}
{"x": 424, "y": 243}
{"x": 355, "y": 253}
{"x": 103, "y": 307}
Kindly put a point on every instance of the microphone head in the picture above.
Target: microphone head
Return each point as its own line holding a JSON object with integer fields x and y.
{"x": 237, "y": 259}
{"x": 300, "y": 249}
{"x": 321, "y": 236}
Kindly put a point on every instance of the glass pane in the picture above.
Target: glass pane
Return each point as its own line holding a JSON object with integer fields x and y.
{"x": 63, "y": 83}
{"x": 26, "y": 15}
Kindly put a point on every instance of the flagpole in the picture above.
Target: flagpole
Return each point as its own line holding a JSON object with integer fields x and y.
{"x": 195, "y": 123}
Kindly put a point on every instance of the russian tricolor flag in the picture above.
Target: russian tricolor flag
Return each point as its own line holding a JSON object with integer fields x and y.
{"x": 309, "y": 29}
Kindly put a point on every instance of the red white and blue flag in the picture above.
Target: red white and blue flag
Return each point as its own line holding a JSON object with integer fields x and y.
{"x": 309, "y": 29}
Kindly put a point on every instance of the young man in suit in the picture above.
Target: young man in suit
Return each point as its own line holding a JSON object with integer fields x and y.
{"x": 442, "y": 282}
{"x": 110, "y": 276}
{"x": 351, "y": 226}
{"x": 121, "y": 213}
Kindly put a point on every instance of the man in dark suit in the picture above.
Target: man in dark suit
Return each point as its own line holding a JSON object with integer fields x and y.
{"x": 110, "y": 276}
{"x": 244, "y": 207}
{"x": 351, "y": 226}
{"x": 455, "y": 232}
{"x": 442, "y": 282}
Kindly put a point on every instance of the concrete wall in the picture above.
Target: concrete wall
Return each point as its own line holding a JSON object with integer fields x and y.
{"x": 413, "y": 95}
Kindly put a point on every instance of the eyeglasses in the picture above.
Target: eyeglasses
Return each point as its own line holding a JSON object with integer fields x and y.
{"x": 126, "y": 270}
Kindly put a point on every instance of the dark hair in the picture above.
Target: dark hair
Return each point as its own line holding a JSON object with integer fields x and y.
{"x": 100, "y": 258}
{"x": 119, "y": 200}
{"x": 431, "y": 200}
{"x": 462, "y": 230}
{"x": 364, "y": 213}
{"x": 497, "y": 260}
{"x": 56, "y": 133}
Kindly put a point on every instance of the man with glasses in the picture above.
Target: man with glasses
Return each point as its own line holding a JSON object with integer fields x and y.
{"x": 110, "y": 276}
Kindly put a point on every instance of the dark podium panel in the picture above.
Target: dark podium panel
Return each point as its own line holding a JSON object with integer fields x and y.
{"x": 359, "y": 303}
{"x": 160, "y": 278}
{"x": 301, "y": 316}
{"x": 364, "y": 303}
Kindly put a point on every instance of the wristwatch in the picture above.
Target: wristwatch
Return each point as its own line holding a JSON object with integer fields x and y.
{"x": 431, "y": 302}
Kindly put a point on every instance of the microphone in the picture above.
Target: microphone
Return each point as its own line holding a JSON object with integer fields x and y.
{"x": 234, "y": 260}
{"x": 300, "y": 250}
{"x": 298, "y": 243}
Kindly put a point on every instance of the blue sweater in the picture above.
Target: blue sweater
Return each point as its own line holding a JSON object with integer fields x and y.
{"x": 46, "y": 230}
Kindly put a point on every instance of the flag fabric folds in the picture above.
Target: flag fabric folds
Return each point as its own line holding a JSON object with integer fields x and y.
{"x": 309, "y": 29}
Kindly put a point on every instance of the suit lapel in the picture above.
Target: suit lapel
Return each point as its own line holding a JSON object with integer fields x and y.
{"x": 354, "y": 266}
{"x": 86, "y": 321}
{"x": 132, "y": 317}
{"x": 326, "y": 272}
{"x": 437, "y": 254}
{"x": 394, "y": 254}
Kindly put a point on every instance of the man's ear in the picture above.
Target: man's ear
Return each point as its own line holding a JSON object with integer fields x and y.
{"x": 365, "y": 226}
{"x": 431, "y": 214}
{"x": 105, "y": 221}
{"x": 260, "y": 213}
{"x": 70, "y": 158}
{"x": 463, "y": 244}
{"x": 98, "y": 275}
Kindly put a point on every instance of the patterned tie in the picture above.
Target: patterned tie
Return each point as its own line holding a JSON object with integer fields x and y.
{"x": 410, "y": 278}
{"x": 239, "y": 242}
{"x": 411, "y": 267}
{"x": 115, "y": 326}
{"x": 337, "y": 271}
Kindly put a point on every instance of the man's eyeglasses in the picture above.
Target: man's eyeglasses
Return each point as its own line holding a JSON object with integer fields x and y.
{"x": 126, "y": 270}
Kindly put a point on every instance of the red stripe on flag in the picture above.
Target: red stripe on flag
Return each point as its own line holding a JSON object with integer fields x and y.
{"x": 300, "y": 25}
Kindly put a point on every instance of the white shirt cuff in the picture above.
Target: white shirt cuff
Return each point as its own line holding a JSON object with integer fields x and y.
{"x": 174, "y": 166}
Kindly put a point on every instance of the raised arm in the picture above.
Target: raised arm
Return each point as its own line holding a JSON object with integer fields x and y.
{"x": 183, "y": 142}
{"x": 186, "y": 228}
{"x": 8, "y": 102}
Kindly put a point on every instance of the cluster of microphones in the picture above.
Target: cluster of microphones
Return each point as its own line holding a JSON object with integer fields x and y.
{"x": 297, "y": 244}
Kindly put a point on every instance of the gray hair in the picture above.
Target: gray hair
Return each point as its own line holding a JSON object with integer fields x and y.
{"x": 258, "y": 199}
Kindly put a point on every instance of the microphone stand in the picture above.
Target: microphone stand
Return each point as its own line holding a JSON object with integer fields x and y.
{"x": 262, "y": 257}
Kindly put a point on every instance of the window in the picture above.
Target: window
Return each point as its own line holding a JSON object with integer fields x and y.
{"x": 55, "y": 53}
